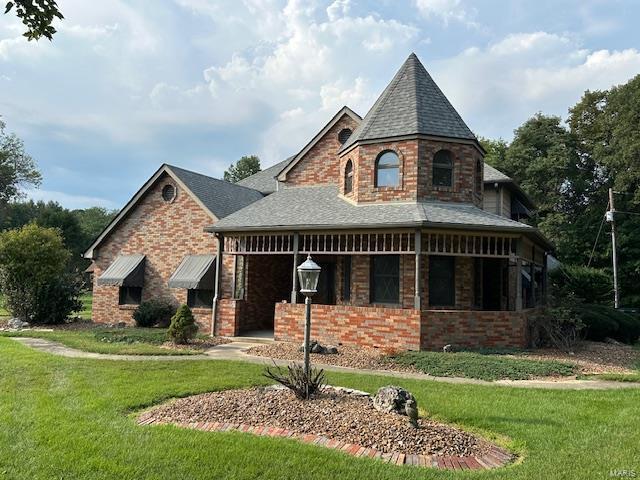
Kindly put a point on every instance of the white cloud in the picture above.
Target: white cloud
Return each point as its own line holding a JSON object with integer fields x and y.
{"x": 446, "y": 11}
{"x": 499, "y": 86}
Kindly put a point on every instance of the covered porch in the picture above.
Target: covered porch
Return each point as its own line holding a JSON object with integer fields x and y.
{"x": 398, "y": 289}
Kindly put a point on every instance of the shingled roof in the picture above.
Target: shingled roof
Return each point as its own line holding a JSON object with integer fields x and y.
{"x": 411, "y": 104}
{"x": 320, "y": 207}
{"x": 220, "y": 197}
{"x": 265, "y": 180}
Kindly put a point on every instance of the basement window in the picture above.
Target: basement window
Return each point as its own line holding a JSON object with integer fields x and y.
{"x": 130, "y": 296}
{"x": 198, "y": 298}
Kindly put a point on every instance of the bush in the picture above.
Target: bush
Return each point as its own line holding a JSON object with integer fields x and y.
{"x": 33, "y": 277}
{"x": 183, "y": 326}
{"x": 56, "y": 300}
{"x": 593, "y": 285}
{"x": 303, "y": 386}
{"x": 602, "y": 321}
{"x": 152, "y": 313}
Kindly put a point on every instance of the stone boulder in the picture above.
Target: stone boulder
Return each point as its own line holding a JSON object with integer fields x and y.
{"x": 392, "y": 399}
{"x": 316, "y": 347}
{"x": 16, "y": 323}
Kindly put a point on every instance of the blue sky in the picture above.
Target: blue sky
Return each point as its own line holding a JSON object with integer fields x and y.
{"x": 128, "y": 85}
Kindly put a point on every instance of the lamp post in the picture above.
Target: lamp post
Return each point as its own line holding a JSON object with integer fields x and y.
{"x": 308, "y": 274}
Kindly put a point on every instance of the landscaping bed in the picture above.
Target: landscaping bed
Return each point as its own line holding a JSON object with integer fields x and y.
{"x": 97, "y": 338}
{"x": 335, "y": 414}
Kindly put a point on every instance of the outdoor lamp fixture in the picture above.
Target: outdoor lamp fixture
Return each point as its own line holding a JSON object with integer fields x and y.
{"x": 308, "y": 274}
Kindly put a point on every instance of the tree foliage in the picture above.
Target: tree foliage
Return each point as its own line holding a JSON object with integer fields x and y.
{"x": 243, "y": 168}
{"x": 567, "y": 169}
{"x": 37, "y": 16}
{"x": 183, "y": 326}
{"x": 17, "y": 168}
{"x": 33, "y": 275}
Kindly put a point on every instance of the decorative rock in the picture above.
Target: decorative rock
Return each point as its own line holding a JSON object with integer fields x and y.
{"x": 316, "y": 347}
{"x": 447, "y": 348}
{"x": 392, "y": 399}
{"x": 411, "y": 409}
{"x": 17, "y": 324}
{"x": 331, "y": 350}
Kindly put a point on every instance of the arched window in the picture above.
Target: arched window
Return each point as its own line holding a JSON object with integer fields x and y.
{"x": 442, "y": 169}
{"x": 479, "y": 178}
{"x": 388, "y": 169}
{"x": 344, "y": 135}
{"x": 348, "y": 177}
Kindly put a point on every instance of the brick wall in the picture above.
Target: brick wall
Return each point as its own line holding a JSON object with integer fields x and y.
{"x": 475, "y": 329}
{"x": 416, "y": 171}
{"x": 389, "y": 328}
{"x": 165, "y": 233}
{"x": 321, "y": 165}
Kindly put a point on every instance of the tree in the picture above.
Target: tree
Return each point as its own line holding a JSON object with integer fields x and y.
{"x": 33, "y": 275}
{"x": 245, "y": 167}
{"x": 37, "y": 16}
{"x": 17, "y": 168}
{"x": 93, "y": 221}
{"x": 183, "y": 326}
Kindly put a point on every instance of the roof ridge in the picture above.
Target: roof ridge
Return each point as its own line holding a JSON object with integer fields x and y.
{"x": 210, "y": 177}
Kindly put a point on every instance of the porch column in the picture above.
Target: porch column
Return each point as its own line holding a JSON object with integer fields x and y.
{"x": 294, "y": 282}
{"x": 417, "y": 299}
{"x": 216, "y": 286}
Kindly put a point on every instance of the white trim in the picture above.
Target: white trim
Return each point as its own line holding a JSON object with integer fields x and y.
{"x": 89, "y": 253}
{"x": 282, "y": 176}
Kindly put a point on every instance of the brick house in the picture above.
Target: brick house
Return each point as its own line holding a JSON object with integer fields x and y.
{"x": 417, "y": 238}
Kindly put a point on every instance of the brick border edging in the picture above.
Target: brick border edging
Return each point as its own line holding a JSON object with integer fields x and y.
{"x": 497, "y": 457}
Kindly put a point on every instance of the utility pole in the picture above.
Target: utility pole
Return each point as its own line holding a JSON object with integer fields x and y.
{"x": 611, "y": 220}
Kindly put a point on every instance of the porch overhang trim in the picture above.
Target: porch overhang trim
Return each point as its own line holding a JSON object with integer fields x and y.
{"x": 125, "y": 271}
{"x": 194, "y": 272}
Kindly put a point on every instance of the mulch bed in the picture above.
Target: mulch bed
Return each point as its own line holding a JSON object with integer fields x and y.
{"x": 590, "y": 357}
{"x": 353, "y": 357}
{"x": 593, "y": 357}
{"x": 334, "y": 414}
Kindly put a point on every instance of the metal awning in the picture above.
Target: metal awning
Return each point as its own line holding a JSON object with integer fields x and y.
{"x": 125, "y": 271}
{"x": 195, "y": 271}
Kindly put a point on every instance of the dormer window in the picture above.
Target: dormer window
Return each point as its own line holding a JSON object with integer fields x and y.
{"x": 387, "y": 169}
{"x": 442, "y": 169}
{"x": 348, "y": 177}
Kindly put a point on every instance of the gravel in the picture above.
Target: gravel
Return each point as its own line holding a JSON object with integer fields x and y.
{"x": 334, "y": 414}
{"x": 354, "y": 357}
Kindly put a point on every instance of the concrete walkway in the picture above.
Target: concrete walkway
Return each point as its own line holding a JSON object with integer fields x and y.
{"x": 236, "y": 351}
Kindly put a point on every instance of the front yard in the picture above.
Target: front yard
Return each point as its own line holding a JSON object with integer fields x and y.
{"x": 71, "y": 418}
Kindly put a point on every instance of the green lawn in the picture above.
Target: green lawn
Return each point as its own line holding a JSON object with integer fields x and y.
{"x": 70, "y": 418}
{"x": 120, "y": 341}
{"x": 482, "y": 366}
{"x": 86, "y": 299}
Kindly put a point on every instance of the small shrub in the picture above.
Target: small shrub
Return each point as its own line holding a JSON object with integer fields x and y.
{"x": 303, "y": 386}
{"x": 152, "y": 313}
{"x": 183, "y": 326}
{"x": 561, "y": 325}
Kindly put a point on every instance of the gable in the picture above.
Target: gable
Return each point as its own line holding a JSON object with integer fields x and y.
{"x": 318, "y": 163}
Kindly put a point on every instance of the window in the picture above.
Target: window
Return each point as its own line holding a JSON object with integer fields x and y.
{"x": 348, "y": 177}
{"x": 442, "y": 169}
{"x": 388, "y": 169}
{"x": 168, "y": 193}
{"x": 240, "y": 276}
{"x": 344, "y": 135}
{"x": 346, "y": 278}
{"x": 385, "y": 279}
{"x": 478, "y": 177}
{"x": 197, "y": 298}
{"x": 442, "y": 281}
{"x": 130, "y": 296}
